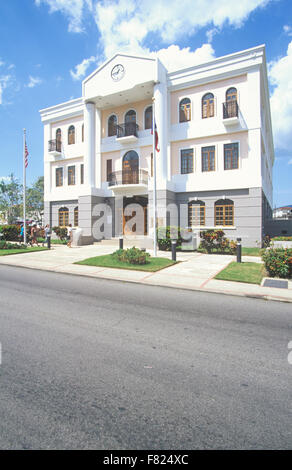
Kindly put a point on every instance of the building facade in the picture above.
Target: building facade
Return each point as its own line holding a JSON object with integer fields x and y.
{"x": 215, "y": 159}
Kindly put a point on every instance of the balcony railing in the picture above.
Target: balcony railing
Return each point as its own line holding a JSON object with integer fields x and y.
{"x": 230, "y": 109}
{"x": 126, "y": 129}
{"x": 121, "y": 177}
{"x": 55, "y": 146}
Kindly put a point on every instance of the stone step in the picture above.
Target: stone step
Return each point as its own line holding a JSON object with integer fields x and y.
{"x": 129, "y": 241}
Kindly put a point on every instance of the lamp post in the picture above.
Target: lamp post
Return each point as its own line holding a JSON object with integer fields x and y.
{"x": 238, "y": 250}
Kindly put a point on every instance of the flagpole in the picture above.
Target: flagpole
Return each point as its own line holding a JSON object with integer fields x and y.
{"x": 154, "y": 182}
{"x": 24, "y": 192}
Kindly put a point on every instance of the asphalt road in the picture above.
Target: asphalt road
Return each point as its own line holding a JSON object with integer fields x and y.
{"x": 96, "y": 364}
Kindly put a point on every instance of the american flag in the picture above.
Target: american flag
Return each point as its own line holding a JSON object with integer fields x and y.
{"x": 26, "y": 154}
{"x": 156, "y": 138}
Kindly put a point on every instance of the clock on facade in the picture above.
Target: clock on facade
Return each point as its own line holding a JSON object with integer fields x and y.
{"x": 117, "y": 72}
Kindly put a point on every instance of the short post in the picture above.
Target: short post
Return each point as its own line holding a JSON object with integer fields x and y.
{"x": 173, "y": 250}
{"x": 238, "y": 250}
{"x": 121, "y": 241}
{"x": 49, "y": 241}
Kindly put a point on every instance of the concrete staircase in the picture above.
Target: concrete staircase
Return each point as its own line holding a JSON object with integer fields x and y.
{"x": 129, "y": 241}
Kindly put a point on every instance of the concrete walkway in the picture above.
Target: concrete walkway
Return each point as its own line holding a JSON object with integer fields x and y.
{"x": 196, "y": 270}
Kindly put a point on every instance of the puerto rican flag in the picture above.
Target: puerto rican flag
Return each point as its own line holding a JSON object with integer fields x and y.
{"x": 156, "y": 138}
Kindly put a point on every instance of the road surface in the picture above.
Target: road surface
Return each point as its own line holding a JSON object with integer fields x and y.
{"x": 98, "y": 364}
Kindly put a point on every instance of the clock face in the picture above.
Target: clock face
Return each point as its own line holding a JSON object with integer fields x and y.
{"x": 117, "y": 72}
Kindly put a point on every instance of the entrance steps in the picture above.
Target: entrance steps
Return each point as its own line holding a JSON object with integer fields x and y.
{"x": 129, "y": 241}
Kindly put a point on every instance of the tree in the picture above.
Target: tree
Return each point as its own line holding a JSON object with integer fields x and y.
{"x": 35, "y": 199}
{"x": 10, "y": 198}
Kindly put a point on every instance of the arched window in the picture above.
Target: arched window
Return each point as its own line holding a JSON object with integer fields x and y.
{"x": 111, "y": 125}
{"x": 208, "y": 105}
{"x": 131, "y": 168}
{"x": 148, "y": 117}
{"x": 185, "y": 110}
{"x": 224, "y": 212}
{"x": 130, "y": 116}
{"x": 230, "y": 108}
{"x": 76, "y": 217}
{"x": 130, "y": 123}
{"x": 71, "y": 135}
{"x": 196, "y": 213}
{"x": 82, "y": 132}
{"x": 63, "y": 217}
{"x": 58, "y": 140}
{"x": 231, "y": 94}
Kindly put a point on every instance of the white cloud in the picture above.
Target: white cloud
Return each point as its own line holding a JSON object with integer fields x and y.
{"x": 4, "y": 83}
{"x": 287, "y": 30}
{"x": 290, "y": 162}
{"x": 175, "y": 58}
{"x": 280, "y": 74}
{"x": 34, "y": 81}
{"x": 73, "y": 9}
{"x": 125, "y": 24}
{"x": 80, "y": 69}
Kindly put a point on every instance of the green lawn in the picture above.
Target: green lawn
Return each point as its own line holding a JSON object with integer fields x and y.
{"x": 254, "y": 251}
{"x": 108, "y": 261}
{"x": 54, "y": 241}
{"x": 16, "y": 251}
{"x": 252, "y": 273}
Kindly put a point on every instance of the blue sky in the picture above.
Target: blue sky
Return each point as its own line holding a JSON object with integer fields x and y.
{"x": 48, "y": 46}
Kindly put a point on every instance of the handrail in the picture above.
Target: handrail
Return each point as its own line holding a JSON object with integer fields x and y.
{"x": 230, "y": 109}
{"x": 121, "y": 177}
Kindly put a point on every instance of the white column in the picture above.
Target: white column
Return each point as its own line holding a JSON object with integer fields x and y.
{"x": 161, "y": 115}
{"x": 89, "y": 144}
{"x": 98, "y": 147}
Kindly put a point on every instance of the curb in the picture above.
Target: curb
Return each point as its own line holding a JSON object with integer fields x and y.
{"x": 196, "y": 289}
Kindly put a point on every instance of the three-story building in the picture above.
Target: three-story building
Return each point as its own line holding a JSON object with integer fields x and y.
{"x": 215, "y": 154}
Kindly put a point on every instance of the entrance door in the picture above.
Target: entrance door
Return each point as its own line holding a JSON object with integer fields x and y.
{"x": 143, "y": 203}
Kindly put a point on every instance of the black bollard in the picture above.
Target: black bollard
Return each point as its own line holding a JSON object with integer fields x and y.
{"x": 121, "y": 240}
{"x": 238, "y": 250}
{"x": 49, "y": 241}
{"x": 173, "y": 250}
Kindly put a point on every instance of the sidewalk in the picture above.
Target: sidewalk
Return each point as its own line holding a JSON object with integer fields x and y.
{"x": 195, "y": 272}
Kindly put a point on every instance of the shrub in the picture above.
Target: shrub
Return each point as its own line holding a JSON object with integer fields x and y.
{"x": 10, "y": 232}
{"x": 266, "y": 241}
{"x": 61, "y": 232}
{"x": 278, "y": 262}
{"x": 4, "y": 245}
{"x": 166, "y": 234}
{"x": 214, "y": 241}
{"x": 132, "y": 255}
{"x": 282, "y": 239}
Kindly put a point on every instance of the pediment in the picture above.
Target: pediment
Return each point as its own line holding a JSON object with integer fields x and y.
{"x": 119, "y": 74}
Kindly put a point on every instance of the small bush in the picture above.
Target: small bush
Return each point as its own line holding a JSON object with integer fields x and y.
{"x": 166, "y": 234}
{"x": 10, "y": 232}
{"x": 132, "y": 256}
{"x": 61, "y": 232}
{"x": 214, "y": 241}
{"x": 282, "y": 239}
{"x": 278, "y": 262}
{"x": 4, "y": 245}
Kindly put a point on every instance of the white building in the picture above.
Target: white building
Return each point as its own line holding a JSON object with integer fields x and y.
{"x": 215, "y": 138}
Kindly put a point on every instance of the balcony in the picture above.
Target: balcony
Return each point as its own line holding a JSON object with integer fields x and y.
{"x": 127, "y": 132}
{"x": 230, "y": 112}
{"x": 55, "y": 148}
{"x": 128, "y": 182}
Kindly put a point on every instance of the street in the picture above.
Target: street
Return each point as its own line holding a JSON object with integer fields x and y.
{"x": 98, "y": 364}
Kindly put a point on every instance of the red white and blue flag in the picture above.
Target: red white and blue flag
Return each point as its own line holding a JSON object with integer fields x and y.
{"x": 156, "y": 138}
{"x": 26, "y": 154}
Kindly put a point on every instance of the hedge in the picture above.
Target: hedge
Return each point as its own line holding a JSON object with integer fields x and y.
{"x": 278, "y": 262}
{"x": 10, "y": 232}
